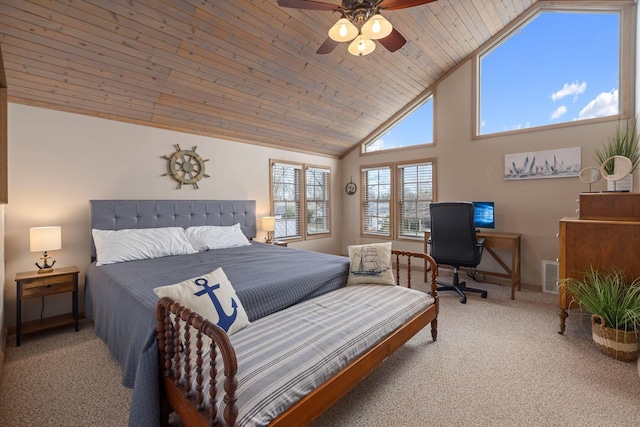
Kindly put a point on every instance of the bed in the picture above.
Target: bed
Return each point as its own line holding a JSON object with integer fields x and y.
{"x": 119, "y": 297}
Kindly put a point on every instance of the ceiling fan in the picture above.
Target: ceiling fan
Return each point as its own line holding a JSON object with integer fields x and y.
{"x": 360, "y": 23}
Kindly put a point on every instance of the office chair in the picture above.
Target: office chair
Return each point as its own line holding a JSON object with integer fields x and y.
{"x": 453, "y": 242}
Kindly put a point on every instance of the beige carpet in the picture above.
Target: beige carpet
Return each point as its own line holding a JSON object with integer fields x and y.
{"x": 497, "y": 362}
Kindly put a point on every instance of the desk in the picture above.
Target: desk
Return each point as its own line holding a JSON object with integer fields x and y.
{"x": 497, "y": 240}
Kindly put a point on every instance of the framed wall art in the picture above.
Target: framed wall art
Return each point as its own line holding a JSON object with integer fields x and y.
{"x": 558, "y": 163}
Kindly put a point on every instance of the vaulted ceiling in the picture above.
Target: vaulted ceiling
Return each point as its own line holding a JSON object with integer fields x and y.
{"x": 244, "y": 70}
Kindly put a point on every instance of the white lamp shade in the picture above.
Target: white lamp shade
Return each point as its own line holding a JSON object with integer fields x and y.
{"x": 343, "y": 31}
{"x": 43, "y": 239}
{"x": 377, "y": 27}
{"x": 361, "y": 46}
{"x": 269, "y": 223}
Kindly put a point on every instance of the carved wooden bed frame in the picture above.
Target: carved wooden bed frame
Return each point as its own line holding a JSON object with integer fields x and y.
{"x": 177, "y": 383}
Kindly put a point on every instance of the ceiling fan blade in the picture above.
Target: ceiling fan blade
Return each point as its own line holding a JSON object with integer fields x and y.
{"x": 327, "y": 47}
{"x": 393, "y": 41}
{"x": 307, "y": 4}
{"x": 401, "y": 4}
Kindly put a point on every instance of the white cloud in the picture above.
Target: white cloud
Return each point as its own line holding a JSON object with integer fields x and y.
{"x": 569, "y": 89}
{"x": 518, "y": 126}
{"x": 605, "y": 104}
{"x": 559, "y": 112}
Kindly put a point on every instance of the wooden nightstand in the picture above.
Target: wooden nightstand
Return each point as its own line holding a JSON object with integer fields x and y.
{"x": 31, "y": 284}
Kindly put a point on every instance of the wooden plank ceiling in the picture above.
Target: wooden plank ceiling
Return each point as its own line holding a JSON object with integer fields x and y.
{"x": 242, "y": 70}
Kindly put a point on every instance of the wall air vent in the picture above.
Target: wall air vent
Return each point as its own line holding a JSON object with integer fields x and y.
{"x": 550, "y": 277}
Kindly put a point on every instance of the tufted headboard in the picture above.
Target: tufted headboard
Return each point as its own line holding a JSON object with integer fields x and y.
{"x": 121, "y": 214}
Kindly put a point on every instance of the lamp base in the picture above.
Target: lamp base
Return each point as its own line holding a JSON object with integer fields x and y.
{"x": 270, "y": 238}
{"x": 45, "y": 267}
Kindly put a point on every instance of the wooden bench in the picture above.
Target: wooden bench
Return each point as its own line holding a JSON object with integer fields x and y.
{"x": 184, "y": 387}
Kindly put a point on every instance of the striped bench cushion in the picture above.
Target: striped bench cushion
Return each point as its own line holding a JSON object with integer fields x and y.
{"x": 286, "y": 355}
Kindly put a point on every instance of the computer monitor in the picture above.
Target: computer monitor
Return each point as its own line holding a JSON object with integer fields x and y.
{"x": 484, "y": 215}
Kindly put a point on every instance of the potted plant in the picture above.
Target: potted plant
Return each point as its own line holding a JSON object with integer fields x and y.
{"x": 624, "y": 142}
{"x": 614, "y": 305}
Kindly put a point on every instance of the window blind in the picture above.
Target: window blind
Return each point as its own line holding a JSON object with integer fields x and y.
{"x": 286, "y": 182}
{"x": 415, "y": 193}
{"x": 376, "y": 209}
{"x": 317, "y": 200}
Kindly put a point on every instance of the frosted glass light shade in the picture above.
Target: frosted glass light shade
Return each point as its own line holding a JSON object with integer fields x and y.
{"x": 269, "y": 223}
{"x": 361, "y": 46}
{"x": 377, "y": 27}
{"x": 343, "y": 31}
{"x": 43, "y": 239}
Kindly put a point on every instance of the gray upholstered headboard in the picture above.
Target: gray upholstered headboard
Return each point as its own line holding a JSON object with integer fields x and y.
{"x": 121, "y": 214}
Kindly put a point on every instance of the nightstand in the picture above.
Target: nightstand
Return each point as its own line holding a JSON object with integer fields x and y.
{"x": 32, "y": 284}
{"x": 280, "y": 243}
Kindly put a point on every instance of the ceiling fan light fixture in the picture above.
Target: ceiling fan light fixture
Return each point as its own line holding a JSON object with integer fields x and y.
{"x": 377, "y": 27}
{"x": 343, "y": 31}
{"x": 361, "y": 46}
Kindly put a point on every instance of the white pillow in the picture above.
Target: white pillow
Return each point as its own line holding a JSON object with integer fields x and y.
{"x": 370, "y": 264}
{"x": 132, "y": 244}
{"x": 212, "y": 297}
{"x": 206, "y": 237}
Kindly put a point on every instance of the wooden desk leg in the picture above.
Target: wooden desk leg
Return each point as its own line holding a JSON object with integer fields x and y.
{"x": 563, "y": 316}
{"x": 75, "y": 301}
{"x": 18, "y": 318}
{"x": 515, "y": 268}
{"x": 519, "y": 274}
{"x": 513, "y": 271}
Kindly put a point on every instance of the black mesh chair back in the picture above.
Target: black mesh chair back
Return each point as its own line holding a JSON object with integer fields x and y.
{"x": 453, "y": 242}
{"x": 453, "y": 234}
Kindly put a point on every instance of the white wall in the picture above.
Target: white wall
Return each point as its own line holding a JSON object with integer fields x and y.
{"x": 473, "y": 170}
{"x": 59, "y": 161}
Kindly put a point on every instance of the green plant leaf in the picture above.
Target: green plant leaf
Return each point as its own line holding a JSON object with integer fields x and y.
{"x": 610, "y": 295}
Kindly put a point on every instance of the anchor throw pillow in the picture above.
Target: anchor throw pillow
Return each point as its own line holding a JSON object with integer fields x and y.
{"x": 370, "y": 264}
{"x": 212, "y": 297}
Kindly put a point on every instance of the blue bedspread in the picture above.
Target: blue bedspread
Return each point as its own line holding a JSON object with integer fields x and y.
{"x": 120, "y": 300}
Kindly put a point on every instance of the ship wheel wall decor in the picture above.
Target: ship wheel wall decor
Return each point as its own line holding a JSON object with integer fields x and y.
{"x": 186, "y": 167}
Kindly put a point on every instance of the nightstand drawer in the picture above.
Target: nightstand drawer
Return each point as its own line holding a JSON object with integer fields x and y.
{"x": 47, "y": 286}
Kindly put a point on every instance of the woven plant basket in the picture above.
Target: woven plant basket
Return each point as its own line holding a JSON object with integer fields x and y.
{"x": 621, "y": 345}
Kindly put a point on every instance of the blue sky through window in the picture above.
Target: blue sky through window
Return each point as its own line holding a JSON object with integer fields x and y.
{"x": 558, "y": 68}
{"x": 415, "y": 129}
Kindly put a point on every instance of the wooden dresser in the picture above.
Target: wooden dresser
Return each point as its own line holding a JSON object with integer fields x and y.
{"x": 605, "y": 235}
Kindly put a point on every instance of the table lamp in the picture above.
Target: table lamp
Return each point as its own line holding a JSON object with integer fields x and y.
{"x": 269, "y": 225}
{"x": 43, "y": 239}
